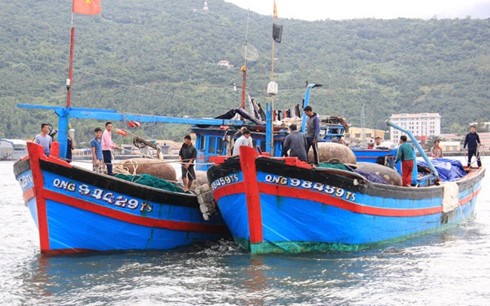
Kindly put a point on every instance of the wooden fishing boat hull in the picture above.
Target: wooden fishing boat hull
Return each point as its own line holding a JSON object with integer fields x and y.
{"x": 282, "y": 205}
{"x": 77, "y": 210}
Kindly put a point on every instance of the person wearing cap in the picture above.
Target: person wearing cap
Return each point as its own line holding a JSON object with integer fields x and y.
{"x": 244, "y": 140}
{"x": 44, "y": 139}
{"x": 187, "y": 156}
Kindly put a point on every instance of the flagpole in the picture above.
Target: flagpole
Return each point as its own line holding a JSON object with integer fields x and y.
{"x": 64, "y": 119}
{"x": 69, "y": 80}
{"x": 244, "y": 67}
{"x": 273, "y": 51}
{"x": 272, "y": 98}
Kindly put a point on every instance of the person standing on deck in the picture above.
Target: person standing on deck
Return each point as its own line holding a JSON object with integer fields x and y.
{"x": 244, "y": 140}
{"x": 312, "y": 132}
{"x": 96, "y": 149}
{"x": 187, "y": 156}
{"x": 107, "y": 146}
{"x": 69, "y": 148}
{"x": 44, "y": 139}
{"x": 407, "y": 156}
{"x": 472, "y": 140}
{"x": 296, "y": 143}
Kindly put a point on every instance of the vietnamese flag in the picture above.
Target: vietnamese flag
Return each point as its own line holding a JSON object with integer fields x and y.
{"x": 86, "y": 7}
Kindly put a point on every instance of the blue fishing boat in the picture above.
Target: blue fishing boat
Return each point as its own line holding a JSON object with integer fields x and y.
{"x": 284, "y": 205}
{"x": 77, "y": 210}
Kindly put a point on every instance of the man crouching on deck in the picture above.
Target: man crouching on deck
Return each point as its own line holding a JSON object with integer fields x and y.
{"x": 187, "y": 155}
{"x": 407, "y": 156}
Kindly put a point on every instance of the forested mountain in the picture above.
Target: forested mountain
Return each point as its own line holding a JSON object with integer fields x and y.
{"x": 160, "y": 57}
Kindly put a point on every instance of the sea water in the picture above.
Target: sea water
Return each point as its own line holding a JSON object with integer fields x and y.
{"x": 449, "y": 268}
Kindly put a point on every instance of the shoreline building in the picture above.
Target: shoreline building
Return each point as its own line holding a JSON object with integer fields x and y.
{"x": 354, "y": 135}
{"x": 422, "y": 125}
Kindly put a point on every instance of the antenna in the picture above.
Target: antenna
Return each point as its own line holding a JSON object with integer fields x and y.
{"x": 363, "y": 126}
{"x": 251, "y": 54}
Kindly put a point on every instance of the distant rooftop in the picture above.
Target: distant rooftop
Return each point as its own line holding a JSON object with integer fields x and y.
{"x": 405, "y": 115}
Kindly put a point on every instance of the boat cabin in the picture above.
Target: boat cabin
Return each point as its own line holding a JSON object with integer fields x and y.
{"x": 217, "y": 141}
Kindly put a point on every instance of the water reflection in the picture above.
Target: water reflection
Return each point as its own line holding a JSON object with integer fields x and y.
{"x": 255, "y": 281}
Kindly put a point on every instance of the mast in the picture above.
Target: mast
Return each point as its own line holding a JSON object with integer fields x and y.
{"x": 80, "y": 7}
{"x": 244, "y": 67}
{"x": 70, "y": 65}
{"x": 64, "y": 120}
{"x": 272, "y": 86}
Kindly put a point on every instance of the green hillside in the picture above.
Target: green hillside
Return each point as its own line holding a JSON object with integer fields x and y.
{"x": 160, "y": 57}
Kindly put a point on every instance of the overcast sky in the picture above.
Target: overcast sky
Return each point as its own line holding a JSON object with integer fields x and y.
{"x": 381, "y": 9}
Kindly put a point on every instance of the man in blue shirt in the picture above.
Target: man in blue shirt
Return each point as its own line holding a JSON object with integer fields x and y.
{"x": 96, "y": 148}
{"x": 472, "y": 140}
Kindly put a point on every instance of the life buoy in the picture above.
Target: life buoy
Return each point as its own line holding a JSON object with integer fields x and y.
{"x": 133, "y": 124}
{"x": 122, "y": 132}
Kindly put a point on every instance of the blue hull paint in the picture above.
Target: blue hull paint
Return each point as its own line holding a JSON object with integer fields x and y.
{"x": 72, "y": 228}
{"x": 26, "y": 183}
{"x": 292, "y": 220}
{"x": 107, "y": 198}
{"x": 235, "y": 215}
{"x": 286, "y": 219}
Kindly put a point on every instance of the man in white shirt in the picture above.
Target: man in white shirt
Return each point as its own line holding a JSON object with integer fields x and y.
{"x": 244, "y": 140}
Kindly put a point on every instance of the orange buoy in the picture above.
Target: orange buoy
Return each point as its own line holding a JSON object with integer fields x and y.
{"x": 122, "y": 132}
{"x": 133, "y": 124}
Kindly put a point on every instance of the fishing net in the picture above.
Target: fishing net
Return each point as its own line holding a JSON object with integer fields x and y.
{"x": 334, "y": 166}
{"x": 152, "y": 181}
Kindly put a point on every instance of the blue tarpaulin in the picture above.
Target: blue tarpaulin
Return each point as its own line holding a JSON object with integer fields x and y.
{"x": 448, "y": 169}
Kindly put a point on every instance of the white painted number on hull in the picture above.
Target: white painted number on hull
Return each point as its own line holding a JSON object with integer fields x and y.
{"x": 100, "y": 194}
{"x": 315, "y": 186}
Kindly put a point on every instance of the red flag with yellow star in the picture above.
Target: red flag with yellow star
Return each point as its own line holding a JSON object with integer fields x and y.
{"x": 86, "y": 7}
